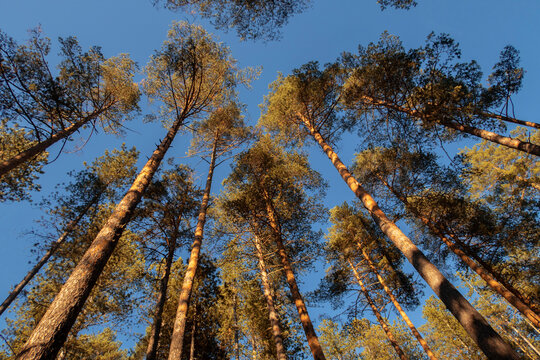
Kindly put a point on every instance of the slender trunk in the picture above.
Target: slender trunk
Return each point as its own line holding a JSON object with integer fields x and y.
{"x": 312, "y": 339}
{"x": 496, "y": 138}
{"x": 177, "y": 339}
{"x": 492, "y": 279}
{"x": 377, "y": 314}
{"x": 51, "y": 332}
{"x": 402, "y": 312}
{"x": 484, "y": 134}
{"x": 476, "y": 326}
{"x": 526, "y": 341}
{"x": 52, "y": 249}
{"x": 19, "y": 159}
{"x": 511, "y": 119}
{"x": 151, "y": 350}
{"x": 193, "y": 329}
{"x": 236, "y": 328}
{"x": 272, "y": 314}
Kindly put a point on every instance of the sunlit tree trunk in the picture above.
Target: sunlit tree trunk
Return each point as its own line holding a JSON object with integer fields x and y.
{"x": 312, "y": 339}
{"x": 175, "y": 351}
{"x": 153, "y": 341}
{"x": 402, "y": 312}
{"x": 52, "y": 331}
{"x": 19, "y": 159}
{"x": 377, "y": 314}
{"x": 472, "y": 321}
{"x": 484, "y": 134}
{"x": 52, "y": 249}
{"x": 480, "y": 267}
{"x": 272, "y": 314}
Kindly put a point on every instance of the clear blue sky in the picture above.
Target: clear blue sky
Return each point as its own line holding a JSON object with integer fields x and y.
{"x": 482, "y": 27}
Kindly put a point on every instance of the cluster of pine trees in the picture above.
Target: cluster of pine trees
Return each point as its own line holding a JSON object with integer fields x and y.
{"x": 413, "y": 219}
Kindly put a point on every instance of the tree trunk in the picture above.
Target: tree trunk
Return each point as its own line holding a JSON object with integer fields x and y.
{"x": 236, "y": 328}
{"x": 19, "y": 159}
{"x": 312, "y": 339}
{"x": 492, "y": 279}
{"x": 272, "y": 314}
{"x": 402, "y": 312}
{"x": 151, "y": 350}
{"x": 511, "y": 119}
{"x": 476, "y": 326}
{"x": 51, "y": 332}
{"x": 377, "y": 314}
{"x": 52, "y": 249}
{"x": 484, "y": 134}
{"x": 177, "y": 339}
{"x": 193, "y": 329}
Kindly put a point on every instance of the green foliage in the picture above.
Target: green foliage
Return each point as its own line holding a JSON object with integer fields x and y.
{"x": 17, "y": 184}
{"x": 86, "y": 86}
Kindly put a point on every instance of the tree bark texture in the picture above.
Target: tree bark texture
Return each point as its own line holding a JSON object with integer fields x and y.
{"x": 51, "y": 332}
{"x": 153, "y": 341}
{"x": 474, "y": 324}
{"x": 309, "y": 330}
{"x": 402, "y": 312}
{"x": 52, "y": 249}
{"x": 480, "y": 267}
{"x": 377, "y": 314}
{"x": 272, "y": 314}
{"x": 177, "y": 339}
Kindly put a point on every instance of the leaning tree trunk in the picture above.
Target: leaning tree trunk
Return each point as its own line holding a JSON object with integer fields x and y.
{"x": 402, "y": 312}
{"x": 483, "y": 134}
{"x": 153, "y": 341}
{"x": 272, "y": 314}
{"x": 492, "y": 279}
{"x": 309, "y": 330}
{"x": 177, "y": 339}
{"x": 52, "y": 249}
{"x": 51, "y": 332}
{"x": 377, "y": 314}
{"x": 474, "y": 324}
{"x": 19, "y": 159}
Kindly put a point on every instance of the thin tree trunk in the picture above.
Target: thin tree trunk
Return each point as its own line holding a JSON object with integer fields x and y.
{"x": 377, "y": 314}
{"x": 193, "y": 329}
{"x": 312, "y": 339}
{"x": 177, "y": 339}
{"x": 153, "y": 341}
{"x": 484, "y": 134}
{"x": 272, "y": 314}
{"x": 511, "y": 119}
{"x": 492, "y": 279}
{"x": 51, "y": 332}
{"x": 52, "y": 249}
{"x": 526, "y": 341}
{"x": 476, "y": 326}
{"x": 236, "y": 328}
{"x": 19, "y": 159}
{"x": 402, "y": 312}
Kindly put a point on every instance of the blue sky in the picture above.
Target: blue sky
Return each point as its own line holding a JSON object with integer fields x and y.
{"x": 321, "y": 33}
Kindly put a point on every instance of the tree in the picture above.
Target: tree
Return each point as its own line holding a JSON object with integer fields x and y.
{"x": 112, "y": 301}
{"x": 256, "y": 19}
{"x": 188, "y": 75}
{"x": 434, "y": 197}
{"x": 165, "y": 217}
{"x": 100, "y": 179}
{"x": 305, "y": 103}
{"x": 223, "y": 131}
{"x": 427, "y": 91}
{"x": 88, "y": 90}
{"x": 267, "y": 187}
